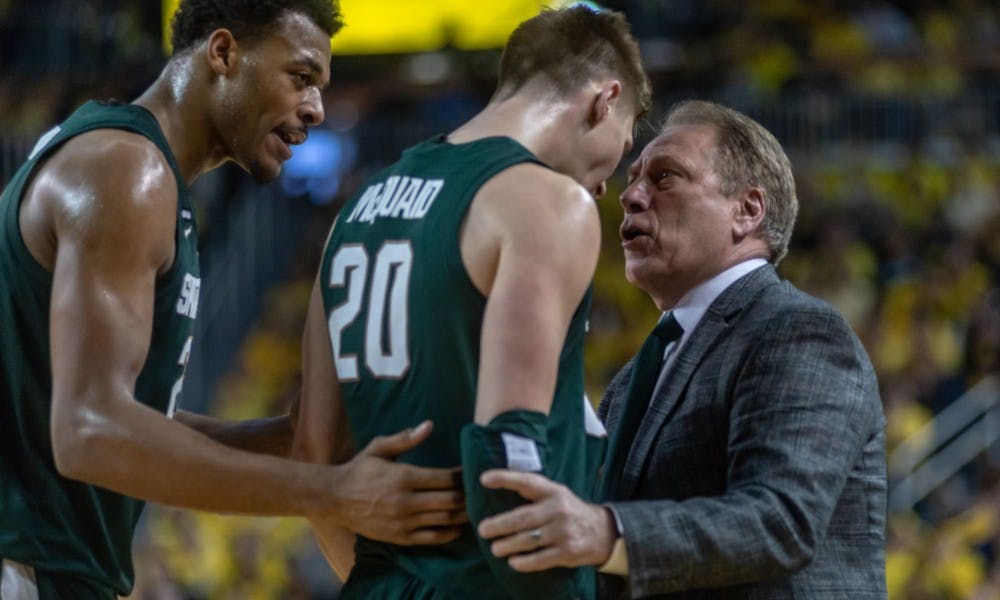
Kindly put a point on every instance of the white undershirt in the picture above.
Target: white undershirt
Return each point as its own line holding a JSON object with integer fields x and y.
{"x": 692, "y": 306}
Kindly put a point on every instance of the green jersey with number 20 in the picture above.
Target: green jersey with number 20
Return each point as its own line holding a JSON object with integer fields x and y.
{"x": 405, "y": 321}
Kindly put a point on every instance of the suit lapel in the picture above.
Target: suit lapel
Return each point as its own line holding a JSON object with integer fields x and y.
{"x": 610, "y": 409}
{"x": 670, "y": 389}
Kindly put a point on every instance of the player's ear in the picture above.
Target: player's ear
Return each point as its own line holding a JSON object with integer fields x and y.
{"x": 604, "y": 102}
{"x": 220, "y": 51}
{"x": 599, "y": 191}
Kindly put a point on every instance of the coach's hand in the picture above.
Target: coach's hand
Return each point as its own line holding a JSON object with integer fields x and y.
{"x": 556, "y": 529}
{"x": 399, "y": 503}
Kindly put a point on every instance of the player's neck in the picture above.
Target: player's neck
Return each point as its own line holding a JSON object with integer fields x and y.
{"x": 181, "y": 112}
{"x": 540, "y": 125}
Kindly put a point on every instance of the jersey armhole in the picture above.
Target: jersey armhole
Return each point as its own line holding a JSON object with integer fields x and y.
{"x": 26, "y": 261}
{"x": 453, "y": 260}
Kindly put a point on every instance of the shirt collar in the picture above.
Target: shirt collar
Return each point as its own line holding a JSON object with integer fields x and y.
{"x": 693, "y": 305}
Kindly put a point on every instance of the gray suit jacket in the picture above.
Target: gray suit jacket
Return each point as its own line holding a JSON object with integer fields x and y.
{"x": 759, "y": 468}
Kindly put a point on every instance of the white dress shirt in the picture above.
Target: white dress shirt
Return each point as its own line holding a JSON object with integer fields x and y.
{"x": 692, "y": 307}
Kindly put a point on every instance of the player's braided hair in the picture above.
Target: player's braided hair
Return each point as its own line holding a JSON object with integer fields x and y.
{"x": 246, "y": 19}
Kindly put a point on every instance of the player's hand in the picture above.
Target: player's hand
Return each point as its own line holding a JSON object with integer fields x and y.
{"x": 556, "y": 530}
{"x": 395, "y": 502}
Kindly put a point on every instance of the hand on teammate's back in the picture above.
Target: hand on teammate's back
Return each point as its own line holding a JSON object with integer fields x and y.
{"x": 399, "y": 503}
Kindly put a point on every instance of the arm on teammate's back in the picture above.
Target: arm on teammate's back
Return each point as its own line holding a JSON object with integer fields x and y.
{"x": 390, "y": 501}
{"x": 522, "y": 341}
{"x": 266, "y": 435}
{"x": 101, "y": 323}
{"x": 101, "y": 317}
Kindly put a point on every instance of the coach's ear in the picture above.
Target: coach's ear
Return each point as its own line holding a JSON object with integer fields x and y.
{"x": 607, "y": 97}
{"x": 748, "y": 213}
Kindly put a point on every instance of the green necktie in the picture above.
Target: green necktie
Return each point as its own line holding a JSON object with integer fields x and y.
{"x": 645, "y": 372}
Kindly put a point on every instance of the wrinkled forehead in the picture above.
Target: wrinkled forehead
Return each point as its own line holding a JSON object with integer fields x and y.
{"x": 685, "y": 143}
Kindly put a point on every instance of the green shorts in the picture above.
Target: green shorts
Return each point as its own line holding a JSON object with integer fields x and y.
{"x": 367, "y": 581}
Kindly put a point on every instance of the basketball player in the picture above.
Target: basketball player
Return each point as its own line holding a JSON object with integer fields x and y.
{"x": 99, "y": 288}
{"x": 455, "y": 286}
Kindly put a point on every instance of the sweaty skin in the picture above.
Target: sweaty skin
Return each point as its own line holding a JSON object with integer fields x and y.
{"x": 530, "y": 232}
{"x": 106, "y": 239}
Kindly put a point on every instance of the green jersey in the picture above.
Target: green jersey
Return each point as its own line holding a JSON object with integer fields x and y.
{"x": 405, "y": 324}
{"x": 57, "y": 525}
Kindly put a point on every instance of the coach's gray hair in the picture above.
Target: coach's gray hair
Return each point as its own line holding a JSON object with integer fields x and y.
{"x": 748, "y": 156}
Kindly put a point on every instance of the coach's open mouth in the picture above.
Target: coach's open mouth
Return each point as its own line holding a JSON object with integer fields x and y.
{"x": 629, "y": 233}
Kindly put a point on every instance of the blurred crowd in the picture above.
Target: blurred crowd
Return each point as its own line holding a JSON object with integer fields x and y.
{"x": 891, "y": 115}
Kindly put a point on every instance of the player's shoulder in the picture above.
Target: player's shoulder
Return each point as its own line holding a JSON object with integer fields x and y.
{"x": 115, "y": 157}
{"x": 531, "y": 206}
{"x": 544, "y": 180}
{"x": 540, "y": 191}
{"x": 108, "y": 176}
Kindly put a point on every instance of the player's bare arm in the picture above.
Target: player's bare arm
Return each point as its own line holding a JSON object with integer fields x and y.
{"x": 106, "y": 240}
{"x": 387, "y": 500}
{"x": 115, "y": 235}
{"x": 530, "y": 244}
{"x": 585, "y": 533}
{"x": 269, "y": 435}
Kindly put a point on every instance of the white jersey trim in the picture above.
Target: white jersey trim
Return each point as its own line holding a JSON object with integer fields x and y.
{"x": 17, "y": 582}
